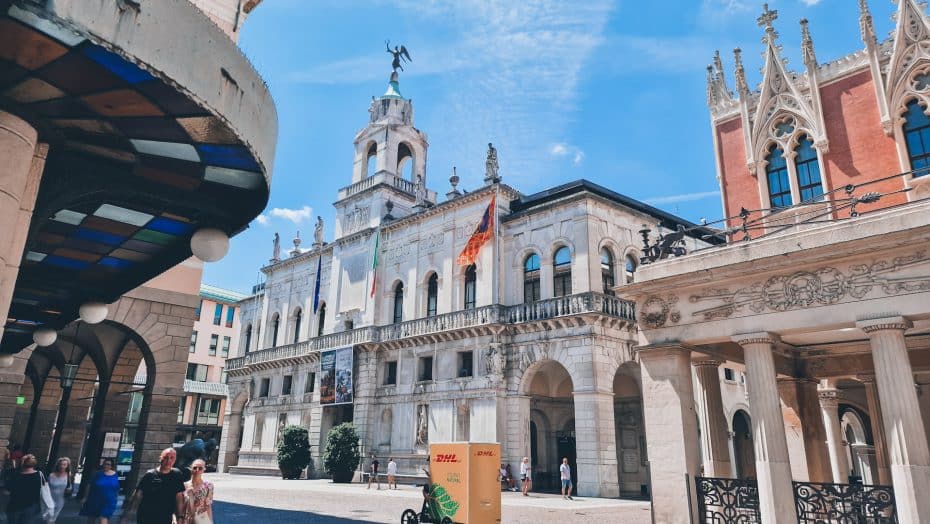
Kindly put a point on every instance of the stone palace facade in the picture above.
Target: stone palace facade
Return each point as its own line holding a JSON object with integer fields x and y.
{"x": 528, "y": 346}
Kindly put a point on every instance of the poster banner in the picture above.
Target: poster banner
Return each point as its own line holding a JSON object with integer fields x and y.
{"x": 110, "y": 445}
{"x": 336, "y": 385}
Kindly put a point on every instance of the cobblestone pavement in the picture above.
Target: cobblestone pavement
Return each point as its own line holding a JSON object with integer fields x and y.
{"x": 259, "y": 500}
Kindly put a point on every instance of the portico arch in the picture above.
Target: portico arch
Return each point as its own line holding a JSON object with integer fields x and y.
{"x": 631, "y": 436}
{"x": 231, "y": 439}
{"x": 549, "y": 386}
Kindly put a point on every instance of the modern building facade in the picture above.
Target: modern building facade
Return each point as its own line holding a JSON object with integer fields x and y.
{"x": 215, "y": 338}
{"x": 524, "y": 343}
{"x": 122, "y": 126}
{"x": 822, "y": 293}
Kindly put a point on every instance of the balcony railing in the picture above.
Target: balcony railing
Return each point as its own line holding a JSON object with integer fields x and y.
{"x": 383, "y": 177}
{"x": 468, "y": 318}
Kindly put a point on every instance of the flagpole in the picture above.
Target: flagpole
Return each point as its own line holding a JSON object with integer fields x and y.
{"x": 497, "y": 247}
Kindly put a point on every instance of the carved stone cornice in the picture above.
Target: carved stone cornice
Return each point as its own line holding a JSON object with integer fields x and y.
{"x": 884, "y": 324}
{"x": 829, "y": 398}
{"x": 705, "y": 362}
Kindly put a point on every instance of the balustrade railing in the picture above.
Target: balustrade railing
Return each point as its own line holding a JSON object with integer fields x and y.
{"x": 481, "y": 316}
{"x": 722, "y": 500}
{"x": 818, "y": 502}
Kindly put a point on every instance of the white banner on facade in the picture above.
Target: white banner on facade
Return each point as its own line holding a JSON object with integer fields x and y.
{"x": 336, "y": 376}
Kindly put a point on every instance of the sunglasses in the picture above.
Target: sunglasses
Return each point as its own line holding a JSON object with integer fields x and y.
{"x": 197, "y": 468}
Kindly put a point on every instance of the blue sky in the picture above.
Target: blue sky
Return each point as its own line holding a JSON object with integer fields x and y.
{"x": 608, "y": 90}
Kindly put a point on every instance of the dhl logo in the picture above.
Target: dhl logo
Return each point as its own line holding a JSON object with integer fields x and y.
{"x": 449, "y": 457}
{"x": 484, "y": 453}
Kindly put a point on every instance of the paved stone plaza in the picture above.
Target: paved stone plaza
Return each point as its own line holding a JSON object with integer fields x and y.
{"x": 242, "y": 498}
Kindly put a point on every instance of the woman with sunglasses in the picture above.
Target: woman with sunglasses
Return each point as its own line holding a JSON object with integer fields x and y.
{"x": 199, "y": 496}
{"x": 104, "y": 490}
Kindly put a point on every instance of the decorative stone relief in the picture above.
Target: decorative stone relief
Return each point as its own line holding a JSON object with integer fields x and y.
{"x": 655, "y": 311}
{"x": 494, "y": 362}
{"x": 434, "y": 242}
{"x": 423, "y": 425}
{"x": 823, "y": 286}
{"x": 398, "y": 253}
{"x": 355, "y": 219}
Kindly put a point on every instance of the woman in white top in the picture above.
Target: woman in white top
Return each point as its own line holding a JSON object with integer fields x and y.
{"x": 526, "y": 476}
{"x": 59, "y": 483}
{"x": 392, "y": 472}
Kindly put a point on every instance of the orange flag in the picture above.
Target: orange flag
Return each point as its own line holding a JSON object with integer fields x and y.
{"x": 483, "y": 233}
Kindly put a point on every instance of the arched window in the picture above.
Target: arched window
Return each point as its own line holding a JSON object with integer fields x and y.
{"x": 630, "y": 268}
{"x": 776, "y": 172}
{"x": 321, "y": 319}
{"x": 471, "y": 277}
{"x": 399, "y": 302}
{"x": 248, "y": 338}
{"x": 917, "y": 137}
{"x": 405, "y": 162}
{"x": 607, "y": 271}
{"x": 562, "y": 272}
{"x": 432, "y": 295}
{"x": 531, "y": 279}
{"x": 298, "y": 316}
{"x": 809, "y": 184}
{"x": 275, "y": 324}
{"x": 371, "y": 162}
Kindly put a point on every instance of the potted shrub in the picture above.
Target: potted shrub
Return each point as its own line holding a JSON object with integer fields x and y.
{"x": 293, "y": 452}
{"x": 341, "y": 457}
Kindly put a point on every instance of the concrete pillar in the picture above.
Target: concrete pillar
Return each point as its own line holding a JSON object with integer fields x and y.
{"x": 596, "y": 444}
{"x": 11, "y": 381}
{"x": 229, "y": 440}
{"x": 773, "y": 467}
{"x": 671, "y": 432}
{"x": 908, "y": 453}
{"x": 839, "y": 465}
{"x": 714, "y": 438}
{"x": 883, "y": 473}
{"x": 800, "y": 395}
{"x": 20, "y": 173}
{"x": 516, "y": 441}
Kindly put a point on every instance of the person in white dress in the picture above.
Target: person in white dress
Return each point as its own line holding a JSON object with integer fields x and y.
{"x": 526, "y": 476}
{"x": 60, "y": 484}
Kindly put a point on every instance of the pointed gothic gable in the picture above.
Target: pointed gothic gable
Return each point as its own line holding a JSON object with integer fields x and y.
{"x": 910, "y": 59}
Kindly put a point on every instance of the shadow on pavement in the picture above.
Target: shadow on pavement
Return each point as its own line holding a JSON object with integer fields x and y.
{"x": 231, "y": 512}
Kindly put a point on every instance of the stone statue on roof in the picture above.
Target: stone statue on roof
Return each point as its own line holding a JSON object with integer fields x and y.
{"x": 491, "y": 166}
{"x": 276, "y": 254}
{"x": 399, "y": 54}
{"x": 318, "y": 232}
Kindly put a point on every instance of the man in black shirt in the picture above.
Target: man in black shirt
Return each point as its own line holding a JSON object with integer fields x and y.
{"x": 160, "y": 493}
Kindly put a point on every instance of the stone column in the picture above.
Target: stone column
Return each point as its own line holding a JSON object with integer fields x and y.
{"x": 773, "y": 467}
{"x": 878, "y": 430}
{"x": 516, "y": 429}
{"x": 800, "y": 395}
{"x": 907, "y": 441}
{"x": 839, "y": 465}
{"x": 20, "y": 173}
{"x": 714, "y": 441}
{"x": 596, "y": 444}
{"x": 671, "y": 432}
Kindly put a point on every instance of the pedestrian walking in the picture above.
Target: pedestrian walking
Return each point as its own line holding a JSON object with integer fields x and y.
{"x": 24, "y": 487}
{"x": 100, "y": 503}
{"x": 392, "y": 473}
{"x": 526, "y": 476}
{"x": 510, "y": 479}
{"x": 159, "y": 494}
{"x": 199, "y": 496}
{"x": 565, "y": 473}
{"x": 60, "y": 483}
{"x": 373, "y": 471}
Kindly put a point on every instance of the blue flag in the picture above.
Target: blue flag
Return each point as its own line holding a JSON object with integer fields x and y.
{"x": 316, "y": 287}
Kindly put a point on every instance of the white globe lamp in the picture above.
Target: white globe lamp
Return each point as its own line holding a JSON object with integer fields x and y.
{"x": 93, "y": 312}
{"x": 6, "y": 360}
{"x": 209, "y": 244}
{"x": 44, "y": 336}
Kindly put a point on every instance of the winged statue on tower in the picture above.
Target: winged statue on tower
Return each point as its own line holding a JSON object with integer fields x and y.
{"x": 400, "y": 53}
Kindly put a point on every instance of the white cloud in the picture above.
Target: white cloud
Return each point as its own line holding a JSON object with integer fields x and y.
{"x": 561, "y": 150}
{"x": 686, "y": 197}
{"x": 262, "y": 219}
{"x": 810, "y": 2}
{"x": 294, "y": 215}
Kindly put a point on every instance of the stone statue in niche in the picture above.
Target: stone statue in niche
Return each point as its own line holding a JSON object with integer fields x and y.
{"x": 276, "y": 253}
{"x": 387, "y": 418}
{"x": 494, "y": 361}
{"x": 318, "y": 232}
{"x": 422, "y": 425}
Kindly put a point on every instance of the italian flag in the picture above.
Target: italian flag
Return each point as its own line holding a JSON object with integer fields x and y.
{"x": 374, "y": 263}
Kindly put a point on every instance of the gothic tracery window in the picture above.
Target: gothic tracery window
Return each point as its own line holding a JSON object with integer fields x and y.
{"x": 917, "y": 137}
{"x": 776, "y": 174}
{"x": 531, "y": 278}
{"x": 607, "y": 271}
{"x": 471, "y": 277}
{"x": 809, "y": 184}
{"x": 399, "y": 303}
{"x": 562, "y": 272}
{"x": 432, "y": 295}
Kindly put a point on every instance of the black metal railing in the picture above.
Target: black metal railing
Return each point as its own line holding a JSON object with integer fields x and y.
{"x": 817, "y": 502}
{"x": 730, "y": 501}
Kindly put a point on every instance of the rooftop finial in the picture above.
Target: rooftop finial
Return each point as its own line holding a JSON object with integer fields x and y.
{"x": 741, "y": 86}
{"x": 399, "y": 53}
{"x": 454, "y": 182}
{"x": 866, "y": 27}
{"x": 807, "y": 45}
{"x": 766, "y": 18}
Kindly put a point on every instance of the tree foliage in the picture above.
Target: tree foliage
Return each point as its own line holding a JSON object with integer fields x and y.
{"x": 341, "y": 456}
{"x": 293, "y": 451}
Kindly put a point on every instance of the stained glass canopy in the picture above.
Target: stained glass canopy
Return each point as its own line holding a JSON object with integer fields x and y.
{"x": 137, "y": 161}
